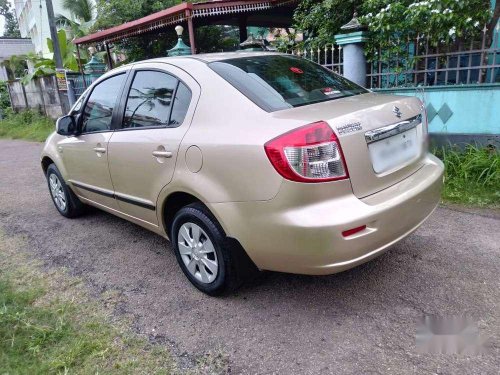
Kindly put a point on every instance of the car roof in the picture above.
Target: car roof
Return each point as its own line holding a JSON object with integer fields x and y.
{"x": 211, "y": 57}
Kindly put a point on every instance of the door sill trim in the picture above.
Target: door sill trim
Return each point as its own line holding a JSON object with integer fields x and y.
{"x": 111, "y": 194}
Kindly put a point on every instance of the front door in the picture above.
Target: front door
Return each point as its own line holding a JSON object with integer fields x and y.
{"x": 142, "y": 154}
{"x": 86, "y": 155}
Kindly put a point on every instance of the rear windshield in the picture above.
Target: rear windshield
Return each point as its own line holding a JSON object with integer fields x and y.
{"x": 278, "y": 82}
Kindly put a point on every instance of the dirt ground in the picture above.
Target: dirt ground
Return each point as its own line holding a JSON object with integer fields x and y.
{"x": 360, "y": 321}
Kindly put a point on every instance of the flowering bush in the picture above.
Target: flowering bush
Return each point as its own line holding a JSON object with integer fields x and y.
{"x": 439, "y": 20}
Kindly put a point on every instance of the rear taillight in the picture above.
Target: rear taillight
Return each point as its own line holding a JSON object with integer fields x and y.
{"x": 310, "y": 153}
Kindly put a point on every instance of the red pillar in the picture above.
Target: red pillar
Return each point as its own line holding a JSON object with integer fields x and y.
{"x": 191, "y": 31}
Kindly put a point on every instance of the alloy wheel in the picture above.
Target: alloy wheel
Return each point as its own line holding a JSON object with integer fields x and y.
{"x": 57, "y": 192}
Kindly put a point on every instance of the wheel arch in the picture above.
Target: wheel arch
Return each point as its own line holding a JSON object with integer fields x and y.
{"x": 172, "y": 204}
{"x": 46, "y": 161}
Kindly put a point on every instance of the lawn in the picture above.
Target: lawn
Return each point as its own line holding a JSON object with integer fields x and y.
{"x": 472, "y": 175}
{"x": 50, "y": 325}
{"x": 29, "y": 125}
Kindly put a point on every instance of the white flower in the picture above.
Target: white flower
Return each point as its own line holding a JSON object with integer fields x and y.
{"x": 468, "y": 19}
{"x": 476, "y": 24}
{"x": 434, "y": 11}
{"x": 452, "y": 31}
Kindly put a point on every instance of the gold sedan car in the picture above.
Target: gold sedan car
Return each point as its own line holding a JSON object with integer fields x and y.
{"x": 247, "y": 161}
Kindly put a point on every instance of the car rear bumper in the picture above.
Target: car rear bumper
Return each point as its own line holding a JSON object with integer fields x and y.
{"x": 306, "y": 237}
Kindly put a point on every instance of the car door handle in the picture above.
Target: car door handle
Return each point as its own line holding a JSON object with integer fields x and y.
{"x": 100, "y": 150}
{"x": 162, "y": 154}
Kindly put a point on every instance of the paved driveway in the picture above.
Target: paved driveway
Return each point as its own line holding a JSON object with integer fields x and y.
{"x": 357, "y": 322}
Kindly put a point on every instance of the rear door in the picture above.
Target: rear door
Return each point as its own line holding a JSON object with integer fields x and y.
{"x": 157, "y": 108}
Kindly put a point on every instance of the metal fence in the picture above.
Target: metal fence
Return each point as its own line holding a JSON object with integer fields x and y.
{"x": 414, "y": 61}
{"x": 330, "y": 56}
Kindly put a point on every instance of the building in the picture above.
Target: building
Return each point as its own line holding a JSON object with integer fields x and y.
{"x": 34, "y": 23}
{"x": 10, "y": 47}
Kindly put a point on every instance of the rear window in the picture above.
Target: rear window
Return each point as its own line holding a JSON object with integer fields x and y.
{"x": 279, "y": 82}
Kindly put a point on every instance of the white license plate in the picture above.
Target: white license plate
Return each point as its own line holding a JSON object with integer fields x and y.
{"x": 394, "y": 151}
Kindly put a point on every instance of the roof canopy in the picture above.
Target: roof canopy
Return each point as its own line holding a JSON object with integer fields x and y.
{"x": 270, "y": 13}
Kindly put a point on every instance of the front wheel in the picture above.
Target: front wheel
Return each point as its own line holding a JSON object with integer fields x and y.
{"x": 206, "y": 256}
{"x": 64, "y": 199}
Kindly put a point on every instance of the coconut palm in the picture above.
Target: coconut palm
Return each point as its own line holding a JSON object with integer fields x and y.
{"x": 82, "y": 10}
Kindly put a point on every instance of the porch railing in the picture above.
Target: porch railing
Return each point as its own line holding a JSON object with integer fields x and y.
{"x": 330, "y": 56}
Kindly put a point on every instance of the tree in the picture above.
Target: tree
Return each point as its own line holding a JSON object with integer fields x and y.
{"x": 116, "y": 12}
{"x": 321, "y": 20}
{"x": 82, "y": 10}
{"x": 68, "y": 50}
{"x": 4, "y": 98}
{"x": 16, "y": 66}
{"x": 439, "y": 21}
{"x": 11, "y": 28}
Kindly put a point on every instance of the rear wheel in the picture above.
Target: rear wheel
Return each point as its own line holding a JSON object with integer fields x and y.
{"x": 64, "y": 199}
{"x": 207, "y": 257}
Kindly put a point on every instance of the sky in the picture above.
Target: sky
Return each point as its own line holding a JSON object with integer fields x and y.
{"x": 2, "y": 23}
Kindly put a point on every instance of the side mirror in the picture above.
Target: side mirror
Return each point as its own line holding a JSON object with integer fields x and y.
{"x": 66, "y": 125}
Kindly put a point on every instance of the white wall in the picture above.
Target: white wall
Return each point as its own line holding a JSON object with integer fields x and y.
{"x": 34, "y": 23}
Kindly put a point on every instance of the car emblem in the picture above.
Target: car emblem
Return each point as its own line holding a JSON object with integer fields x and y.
{"x": 397, "y": 112}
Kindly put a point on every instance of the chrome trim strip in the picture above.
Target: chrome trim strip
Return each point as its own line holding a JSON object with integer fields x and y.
{"x": 390, "y": 130}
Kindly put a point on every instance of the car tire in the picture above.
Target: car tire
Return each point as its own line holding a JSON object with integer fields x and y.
{"x": 233, "y": 264}
{"x": 65, "y": 201}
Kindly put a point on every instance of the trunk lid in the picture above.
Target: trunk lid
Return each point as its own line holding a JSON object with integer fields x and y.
{"x": 383, "y": 137}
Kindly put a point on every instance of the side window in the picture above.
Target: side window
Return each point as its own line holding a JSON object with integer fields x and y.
{"x": 181, "y": 105}
{"x": 149, "y": 100}
{"x": 99, "y": 108}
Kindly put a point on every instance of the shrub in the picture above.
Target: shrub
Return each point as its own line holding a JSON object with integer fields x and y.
{"x": 29, "y": 125}
{"x": 472, "y": 176}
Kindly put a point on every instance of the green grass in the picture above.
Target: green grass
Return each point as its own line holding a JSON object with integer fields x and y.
{"x": 472, "y": 176}
{"x": 50, "y": 325}
{"x": 28, "y": 125}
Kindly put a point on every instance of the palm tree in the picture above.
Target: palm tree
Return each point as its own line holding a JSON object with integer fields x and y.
{"x": 82, "y": 10}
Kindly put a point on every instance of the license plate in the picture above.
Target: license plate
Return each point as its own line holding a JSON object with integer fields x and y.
{"x": 394, "y": 151}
